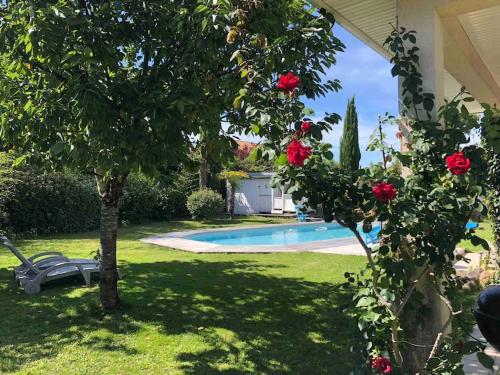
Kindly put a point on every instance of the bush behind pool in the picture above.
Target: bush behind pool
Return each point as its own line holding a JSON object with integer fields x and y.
{"x": 206, "y": 203}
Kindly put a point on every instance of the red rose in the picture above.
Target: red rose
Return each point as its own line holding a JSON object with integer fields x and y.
{"x": 288, "y": 82}
{"x": 383, "y": 365}
{"x": 457, "y": 163}
{"x": 297, "y": 153}
{"x": 384, "y": 192}
{"x": 306, "y": 126}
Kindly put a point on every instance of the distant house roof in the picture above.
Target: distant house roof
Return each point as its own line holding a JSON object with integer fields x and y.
{"x": 244, "y": 149}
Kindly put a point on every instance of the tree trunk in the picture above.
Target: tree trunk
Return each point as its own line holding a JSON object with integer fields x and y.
{"x": 231, "y": 199}
{"x": 111, "y": 191}
{"x": 423, "y": 330}
{"x": 203, "y": 168}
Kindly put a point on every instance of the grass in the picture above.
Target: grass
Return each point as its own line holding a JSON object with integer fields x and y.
{"x": 182, "y": 313}
{"x": 485, "y": 231}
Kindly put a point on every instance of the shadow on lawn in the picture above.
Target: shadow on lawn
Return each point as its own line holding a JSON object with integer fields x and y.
{"x": 251, "y": 322}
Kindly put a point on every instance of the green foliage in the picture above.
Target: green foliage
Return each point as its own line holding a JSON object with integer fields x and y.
{"x": 378, "y": 142}
{"x": 34, "y": 202}
{"x": 95, "y": 87}
{"x": 350, "y": 154}
{"x": 253, "y": 163}
{"x": 491, "y": 132}
{"x": 494, "y": 193}
{"x": 204, "y": 204}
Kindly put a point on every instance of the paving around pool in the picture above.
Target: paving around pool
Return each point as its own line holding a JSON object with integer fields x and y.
{"x": 277, "y": 238}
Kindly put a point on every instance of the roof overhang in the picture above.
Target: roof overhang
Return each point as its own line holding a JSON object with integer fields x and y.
{"x": 471, "y": 38}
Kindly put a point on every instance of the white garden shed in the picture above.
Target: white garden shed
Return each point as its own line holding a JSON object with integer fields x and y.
{"x": 256, "y": 196}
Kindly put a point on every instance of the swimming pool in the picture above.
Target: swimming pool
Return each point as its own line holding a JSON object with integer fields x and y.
{"x": 274, "y": 235}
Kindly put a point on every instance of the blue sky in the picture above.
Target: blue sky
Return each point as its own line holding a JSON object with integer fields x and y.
{"x": 367, "y": 75}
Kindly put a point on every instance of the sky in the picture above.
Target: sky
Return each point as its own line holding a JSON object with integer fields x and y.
{"x": 366, "y": 75}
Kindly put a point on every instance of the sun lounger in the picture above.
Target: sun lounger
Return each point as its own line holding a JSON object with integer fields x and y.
{"x": 44, "y": 267}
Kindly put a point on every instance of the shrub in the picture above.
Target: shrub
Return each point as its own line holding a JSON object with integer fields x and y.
{"x": 206, "y": 203}
{"x": 47, "y": 203}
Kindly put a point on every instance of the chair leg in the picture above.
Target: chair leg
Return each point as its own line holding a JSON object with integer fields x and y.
{"x": 32, "y": 288}
{"x": 86, "y": 277}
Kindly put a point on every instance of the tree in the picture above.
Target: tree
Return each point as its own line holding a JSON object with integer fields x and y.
{"x": 233, "y": 180}
{"x": 117, "y": 87}
{"x": 350, "y": 154}
{"x": 214, "y": 149}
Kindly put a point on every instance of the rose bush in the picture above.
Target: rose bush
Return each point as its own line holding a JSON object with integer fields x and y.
{"x": 409, "y": 279}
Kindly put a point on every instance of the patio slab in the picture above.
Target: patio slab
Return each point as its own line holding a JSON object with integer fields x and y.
{"x": 471, "y": 363}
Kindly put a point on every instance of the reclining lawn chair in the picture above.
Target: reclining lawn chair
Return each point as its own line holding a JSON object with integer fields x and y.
{"x": 50, "y": 266}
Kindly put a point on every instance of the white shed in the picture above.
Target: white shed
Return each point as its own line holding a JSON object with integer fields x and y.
{"x": 256, "y": 195}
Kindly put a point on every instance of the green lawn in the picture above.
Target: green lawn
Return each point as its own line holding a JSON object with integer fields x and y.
{"x": 182, "y": 313}
{"x": 485, "y": 231}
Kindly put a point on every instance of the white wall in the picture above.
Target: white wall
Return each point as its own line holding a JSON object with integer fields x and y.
{"x": 255, "y": 196}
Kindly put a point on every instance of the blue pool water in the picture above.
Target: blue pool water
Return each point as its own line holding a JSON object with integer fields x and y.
{"x": 275, "y": 235}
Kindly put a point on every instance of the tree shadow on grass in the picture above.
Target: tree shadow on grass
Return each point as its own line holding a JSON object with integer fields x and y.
{"x": 253, "y": 322}
{"x": 249, "y": 320}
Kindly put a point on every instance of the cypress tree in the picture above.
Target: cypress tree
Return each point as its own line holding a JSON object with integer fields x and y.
{"x": 350, "y": 154}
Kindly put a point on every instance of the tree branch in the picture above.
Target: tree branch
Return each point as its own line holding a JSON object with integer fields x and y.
{"x": 410, "y": 291}
{"x": 383, "y": 301}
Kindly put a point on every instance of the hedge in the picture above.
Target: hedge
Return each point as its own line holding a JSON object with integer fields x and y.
{"x": 34, "y": 202}
{"x": 47, "y": 203}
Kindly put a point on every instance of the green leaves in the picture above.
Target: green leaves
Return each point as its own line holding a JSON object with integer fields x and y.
{"x": 485, "y": 360}
{"x": 478, "y": 241}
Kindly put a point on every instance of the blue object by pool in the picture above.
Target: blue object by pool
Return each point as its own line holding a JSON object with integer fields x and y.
{"x": 372, "y": 237}
{"x": 301, "y": 216}
{"x": 275, "y": 235}
{"x": 472, "y": 225}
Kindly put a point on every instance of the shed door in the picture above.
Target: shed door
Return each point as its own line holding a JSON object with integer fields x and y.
{"x": 265, "y": 196}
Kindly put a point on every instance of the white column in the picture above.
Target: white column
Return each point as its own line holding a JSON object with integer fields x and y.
{"x": 421, "y": 16}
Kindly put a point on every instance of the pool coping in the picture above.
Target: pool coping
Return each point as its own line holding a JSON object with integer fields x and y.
{"x": 177, "y": 240}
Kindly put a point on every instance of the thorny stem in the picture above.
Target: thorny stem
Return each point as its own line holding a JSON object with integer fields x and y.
{"x": 381, "y": 135}
{"x": 395, "y": 342}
